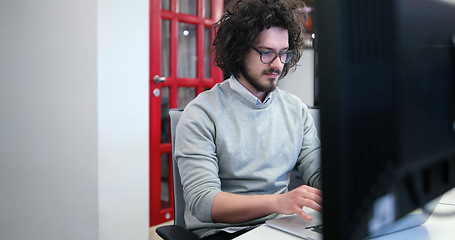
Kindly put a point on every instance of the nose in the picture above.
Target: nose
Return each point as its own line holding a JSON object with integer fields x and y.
{"x": 277, "y": 64}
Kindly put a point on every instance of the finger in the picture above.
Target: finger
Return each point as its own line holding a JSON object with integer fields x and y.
{"x": 305, "y": 202}
{"x": 304, "y": 215}
{"x": 314, "y": 197}
{"x": 310, "y": 195}
{"x": 311, "y": 189}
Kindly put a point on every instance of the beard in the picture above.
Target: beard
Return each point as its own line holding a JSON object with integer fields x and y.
{"x": 270, "y": 86}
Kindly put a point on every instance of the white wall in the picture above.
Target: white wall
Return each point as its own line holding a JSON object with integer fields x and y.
{"x": 301, "y": 82}
{"x": 74, "y": 119}
{"x": 123, "y": 118}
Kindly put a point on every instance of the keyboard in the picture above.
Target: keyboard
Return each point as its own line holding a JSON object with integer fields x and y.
{"x": 316, "y": 228}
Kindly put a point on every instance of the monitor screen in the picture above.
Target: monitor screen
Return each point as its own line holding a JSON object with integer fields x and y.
{"x": 387, "y": 109}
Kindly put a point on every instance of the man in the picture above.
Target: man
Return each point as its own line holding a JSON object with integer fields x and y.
{"x": 237, "y": 143}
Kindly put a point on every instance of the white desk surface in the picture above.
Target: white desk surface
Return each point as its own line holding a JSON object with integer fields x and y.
{"x": 440, "y": 228}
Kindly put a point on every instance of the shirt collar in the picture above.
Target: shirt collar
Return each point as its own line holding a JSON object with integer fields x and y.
{"x": 240, "y": 89}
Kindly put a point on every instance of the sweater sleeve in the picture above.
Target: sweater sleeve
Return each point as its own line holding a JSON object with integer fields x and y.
{"x": 309, "y": 160}
{"x": 195, "y": 152}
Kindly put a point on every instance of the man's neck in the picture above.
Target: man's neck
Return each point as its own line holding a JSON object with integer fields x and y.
{"x": 260, "y": 95}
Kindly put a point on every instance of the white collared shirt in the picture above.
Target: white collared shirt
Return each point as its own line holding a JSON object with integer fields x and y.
{"x": 240, "y": 89}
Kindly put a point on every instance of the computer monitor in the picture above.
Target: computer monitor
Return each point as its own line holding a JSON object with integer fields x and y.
{"x": 386, "y": 72}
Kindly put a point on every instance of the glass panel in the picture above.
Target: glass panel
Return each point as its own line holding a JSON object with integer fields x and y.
{"x": 165, "y": 180}
{"x": 165, "y": 134}
{"x": 165, "y": 47}
{"x": 207, "y": 45}
{"x": 187, "y": 58}
{"x": 208, "y": 8}
{"x": 185, "y": 96}
{"x": 165, "y": 4}
{"x": 188, "y": 6}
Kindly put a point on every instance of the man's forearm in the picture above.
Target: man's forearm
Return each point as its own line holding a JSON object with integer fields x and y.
{"x": 234, "y": 208}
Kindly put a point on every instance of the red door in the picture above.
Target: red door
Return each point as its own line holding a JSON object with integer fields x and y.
{"x": 180, "y": 68}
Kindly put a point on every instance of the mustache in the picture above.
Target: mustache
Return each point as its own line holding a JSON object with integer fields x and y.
{"x": 278, "y": 71}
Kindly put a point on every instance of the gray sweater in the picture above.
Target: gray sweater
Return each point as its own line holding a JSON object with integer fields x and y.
{"x": 226, "y": 143}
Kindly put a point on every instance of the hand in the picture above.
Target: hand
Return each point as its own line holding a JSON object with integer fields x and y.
{"x": 303, "y": 196}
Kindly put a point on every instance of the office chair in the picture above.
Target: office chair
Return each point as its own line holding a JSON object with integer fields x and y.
{"x": 177, "y": 231}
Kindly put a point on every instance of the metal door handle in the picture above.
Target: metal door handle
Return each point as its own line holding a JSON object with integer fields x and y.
{"x": 159, "y": 79}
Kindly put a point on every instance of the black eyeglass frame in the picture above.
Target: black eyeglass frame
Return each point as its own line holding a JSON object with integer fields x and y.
{"x": 285, "y": 53}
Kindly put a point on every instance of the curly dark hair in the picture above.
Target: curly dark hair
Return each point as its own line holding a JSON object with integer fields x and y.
{"x": 239, "y": 27}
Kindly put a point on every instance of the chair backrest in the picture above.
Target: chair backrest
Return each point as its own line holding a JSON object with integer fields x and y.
{"x": 179, "y": 202}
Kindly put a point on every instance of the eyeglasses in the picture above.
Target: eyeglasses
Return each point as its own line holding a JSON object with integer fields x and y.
{"x": 270, "y": 55}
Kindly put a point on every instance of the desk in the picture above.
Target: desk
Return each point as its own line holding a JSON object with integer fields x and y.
{"x": 440, "y": 228}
